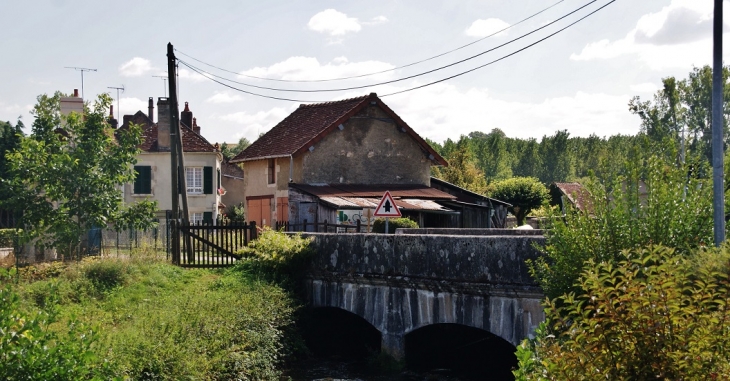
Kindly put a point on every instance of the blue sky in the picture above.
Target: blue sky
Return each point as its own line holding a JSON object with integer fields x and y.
{"x": 580, "y": 80}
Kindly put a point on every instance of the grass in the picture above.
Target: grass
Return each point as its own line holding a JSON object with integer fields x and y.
{"x": 155, "y": 321}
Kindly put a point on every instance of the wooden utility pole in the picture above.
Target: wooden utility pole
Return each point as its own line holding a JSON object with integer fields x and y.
{"x": 718, "y": 186}
{"x": 177, "y": 162}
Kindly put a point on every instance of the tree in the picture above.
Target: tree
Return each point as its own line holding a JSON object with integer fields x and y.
{"x": 230, "y": 152}
{"x": 556, "y": 157}
{"x": 66, "y": 175}
{"x": 10, "y": 137}
{"x": 524, "y": 193}
{"x": 462, "y": 170}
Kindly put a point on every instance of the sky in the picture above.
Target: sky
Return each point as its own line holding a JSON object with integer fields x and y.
{"x": 579, "y": 80}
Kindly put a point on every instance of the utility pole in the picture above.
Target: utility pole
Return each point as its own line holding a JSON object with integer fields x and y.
{"x": 718, "y": 188}
{"x": 164, "y": 82}
{"x": 117, "y": 88}
{"x": 82, "y": 70}
{"x": 177, "y": 162}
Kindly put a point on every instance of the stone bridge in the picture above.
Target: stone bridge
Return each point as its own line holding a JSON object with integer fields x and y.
{"x": 420, "y": 277}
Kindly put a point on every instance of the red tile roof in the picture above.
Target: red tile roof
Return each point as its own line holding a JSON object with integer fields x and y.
{"x": 309, "y": 123}
{"x": 576, "y": 194}
{"x": 192, "y": 142}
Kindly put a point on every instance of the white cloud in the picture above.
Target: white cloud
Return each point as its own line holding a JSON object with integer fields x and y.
{"x": 646, "y": 87}
{"x": 224, "y": 97}
{"x": 135, "y": 67}
{"x": 191, "y": 75}
{"x": 308, "y": 68}
{"x": 376, "y": 20}
{"x": 443, "y": 111}
{"x": 677, "y": 36}
{"x": 483, "y": 28}
{"x": 9, "y": 112}
{"x": 254, "y": 123}
{"x": 333, "y": 23}
{"x": 130, "y": 105}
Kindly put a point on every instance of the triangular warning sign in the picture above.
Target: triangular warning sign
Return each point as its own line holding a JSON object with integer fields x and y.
{"x": 387, "y": 207}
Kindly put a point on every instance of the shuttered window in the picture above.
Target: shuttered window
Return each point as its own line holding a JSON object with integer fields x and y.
{"x": 143, "y": 181}
{"x": 208, "y": 180}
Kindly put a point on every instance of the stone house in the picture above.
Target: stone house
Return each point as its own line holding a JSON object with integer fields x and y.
{"x": 333, "y": 161}
{"x": 202, "y": 164}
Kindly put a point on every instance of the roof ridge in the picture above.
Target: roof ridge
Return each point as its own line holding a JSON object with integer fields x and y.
{"x": 330, "y": 103}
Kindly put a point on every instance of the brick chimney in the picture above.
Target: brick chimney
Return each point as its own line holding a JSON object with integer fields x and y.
{"x": 151, "y": 110}
{"x": 163, "y": 124}
{"x": 186, "y": 116}
{"x": 112, "y": 122}
{"x": 196, "y": 128}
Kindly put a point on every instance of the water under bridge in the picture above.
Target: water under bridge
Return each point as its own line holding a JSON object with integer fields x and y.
{"x": 403, "y": 284}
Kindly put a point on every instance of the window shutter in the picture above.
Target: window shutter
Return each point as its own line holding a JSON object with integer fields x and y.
{"x": 208, "y": 218}
{"x": 208, "y": 180}
{"x": 143, "y": 180}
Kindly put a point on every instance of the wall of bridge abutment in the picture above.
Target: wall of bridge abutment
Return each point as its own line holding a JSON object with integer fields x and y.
{"x": 400, "y": 283}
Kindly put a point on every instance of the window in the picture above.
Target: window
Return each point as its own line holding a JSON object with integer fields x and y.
{"x": 143, "y": 181}
{"x": 272, "y": 171}
{"x": 196, "y": 218}
{"x": 194, "y": 180}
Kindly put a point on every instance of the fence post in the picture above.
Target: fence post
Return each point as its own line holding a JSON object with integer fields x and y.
{"x": 254, "y": 232}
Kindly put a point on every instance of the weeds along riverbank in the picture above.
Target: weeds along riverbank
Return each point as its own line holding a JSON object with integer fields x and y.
{"x": 140, "y": 318}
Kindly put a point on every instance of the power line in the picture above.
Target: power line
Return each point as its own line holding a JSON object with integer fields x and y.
{"x": 503, "y": 57}
{"x": 378, "y": 72}
{"x": 393, "y": 80}
{"x": 416, "y": 87}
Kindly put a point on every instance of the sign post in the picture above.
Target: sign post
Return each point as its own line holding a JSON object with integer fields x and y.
{"x": 387, "y": 208}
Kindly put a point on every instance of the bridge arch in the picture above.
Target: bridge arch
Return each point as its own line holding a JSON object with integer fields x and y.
{"x": 468, "y": 352}
{"x": 335, "y": 331}
{"x": 398, "y": 310}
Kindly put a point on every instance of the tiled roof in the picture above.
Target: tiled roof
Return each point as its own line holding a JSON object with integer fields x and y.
{"x": 576, "y": 194}
{"x": 231, "y": 170}
{"x": 192, "y": 142}
{"x": 309, "y": 123}
{"x": 462, "y": 194}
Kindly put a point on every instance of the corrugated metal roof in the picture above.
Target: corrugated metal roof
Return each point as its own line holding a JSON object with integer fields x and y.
{"x": 364, "y": 203}
{"x": 374, "y": 191}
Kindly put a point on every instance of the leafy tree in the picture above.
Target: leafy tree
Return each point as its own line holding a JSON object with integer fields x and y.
{"x": 462, "y": 170}
{"x": 524, "y": 193}
{"x": 66, "y": 175}
{"x": 230, "y": 152}
{"x": 529, "y": 162}
{"x": 557, "y": 158}
{"x": 652, "y": 314}
{"x": 10, "y": 137}
{"x": 492, "y": 154}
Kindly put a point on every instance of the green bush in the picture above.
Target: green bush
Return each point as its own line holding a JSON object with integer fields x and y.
{"x": 524, "y": 193}
{"x": 655, "y": 203}
{"x": 393, "y": 223}
{"x": 652, "y": 315}
{"x": 8, "y": 237}
{"x": 106, "y": 274}
{"x": 276, "y": 256}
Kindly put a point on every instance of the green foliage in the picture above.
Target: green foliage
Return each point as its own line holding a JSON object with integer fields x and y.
{"x": 8, "y": 237}
{"x": 650, "y": 315}
{"x": 393, "y": 224}
{"x": 65, "y": 176}
{"x": 30, "y": 350}
{"x": 462, "y": 170}
{"x": 276, "y": 256}
{"x": 524, "y": 193}
{"x": 655, "y": 204}
{"x": 236, "y": 213}
{"x": 106, "y": 274}
{"x": 230, "y": 152}
{"x": 10, "y": 137}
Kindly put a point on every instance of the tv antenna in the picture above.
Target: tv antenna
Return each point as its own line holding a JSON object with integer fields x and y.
{"x": 164, "y": 82}
{"x": 82, "y": 70}
{"x": 117, "y": 89}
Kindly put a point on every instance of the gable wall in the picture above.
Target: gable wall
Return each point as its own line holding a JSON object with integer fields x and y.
{"x": 370, "y": 150}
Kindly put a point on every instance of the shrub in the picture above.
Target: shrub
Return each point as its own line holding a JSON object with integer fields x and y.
{"x": 106, "y": 274}
{"x": 276, "y": 256}
{"x": 524, "y": 193}
{"x": 393, "y": 223}
{"x": 652, "y": 315}
{"x": 8, "y": 237}
{"x": 666, "y": 208}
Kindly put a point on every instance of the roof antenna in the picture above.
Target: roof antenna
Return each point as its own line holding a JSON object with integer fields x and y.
{"x": 164, "y": 82}
{"x": 117, "y": 88}
{"x": 82, "y": 70}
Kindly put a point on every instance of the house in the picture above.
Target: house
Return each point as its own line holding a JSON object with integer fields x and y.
{"x": 202, "y": 164}
{"x": 575, "y": 194}
{"x": 333, "y": 162}
{"x": 232, "y": 181}
{"x": 476, "y": 210}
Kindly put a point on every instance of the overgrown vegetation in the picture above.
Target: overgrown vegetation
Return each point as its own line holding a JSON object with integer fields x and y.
{"x": 652, "y": 314}
{"x": 393, "y": 224}
{"x": 145, "y": 319}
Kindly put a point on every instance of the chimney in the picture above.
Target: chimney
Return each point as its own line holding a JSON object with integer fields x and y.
{"x": 163, "y": 124}
{"x": 196, "y": 128}
{"x": 112, "y": 122}
{"x": 186, "y": 116}
{"x": 151, "y": 110}
{"x": 76, "y": 93}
